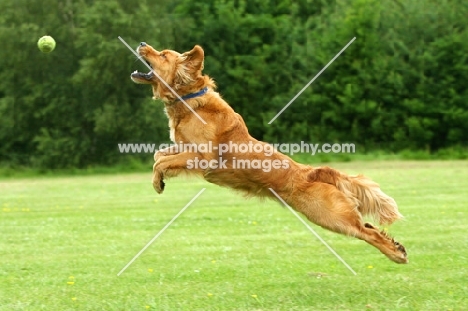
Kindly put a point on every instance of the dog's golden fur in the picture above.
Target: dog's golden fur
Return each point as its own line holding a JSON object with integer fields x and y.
{"x": 327, "y": 197}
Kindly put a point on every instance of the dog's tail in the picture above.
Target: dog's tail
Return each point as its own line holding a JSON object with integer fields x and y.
{"x": 370, "y": 199}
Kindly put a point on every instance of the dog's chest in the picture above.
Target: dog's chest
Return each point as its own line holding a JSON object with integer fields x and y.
{"x": 178, "y": 132}
{"x": 190, "y": 133}
{"x": 185, "y": 128}
{"x": 172, "y": 134}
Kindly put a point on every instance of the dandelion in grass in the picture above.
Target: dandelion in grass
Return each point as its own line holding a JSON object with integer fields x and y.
{"x": 147, "y": 307}
{"x": 213, "y": 261}
{"x": 150, "y": 270}
{"x": 254, "y": 223}
{"x": 209, "y": 294}
{"x": 370, "y": 267}
{"x": 74, "y": 298}
{"x": 70, "y": 283}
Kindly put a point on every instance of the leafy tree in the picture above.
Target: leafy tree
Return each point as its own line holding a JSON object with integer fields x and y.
{"x": 400, "y": 85}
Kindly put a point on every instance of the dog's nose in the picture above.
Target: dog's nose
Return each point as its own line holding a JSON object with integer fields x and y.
{"x": 142, "y": 43}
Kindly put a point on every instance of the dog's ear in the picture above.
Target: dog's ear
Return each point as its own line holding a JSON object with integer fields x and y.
{"x": 189, "y": 64}
{"x": 195, "y": 58}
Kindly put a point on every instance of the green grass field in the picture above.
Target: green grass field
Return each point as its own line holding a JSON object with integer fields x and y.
{"x": 64, "y": 239}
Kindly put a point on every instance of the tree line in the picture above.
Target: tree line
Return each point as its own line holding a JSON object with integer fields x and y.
{"x": 401, "y": 84}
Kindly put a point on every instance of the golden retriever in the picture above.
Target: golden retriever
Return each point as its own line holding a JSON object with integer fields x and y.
{"x": 327, "y": 197}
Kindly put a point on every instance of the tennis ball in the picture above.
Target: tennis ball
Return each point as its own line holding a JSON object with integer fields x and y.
{"x": 46, "y": 44}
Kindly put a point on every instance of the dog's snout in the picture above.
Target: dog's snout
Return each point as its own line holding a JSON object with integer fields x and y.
{"x": 142, "y": 43}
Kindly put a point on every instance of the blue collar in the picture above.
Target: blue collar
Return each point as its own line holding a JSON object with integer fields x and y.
{"x": 193, "y": 95}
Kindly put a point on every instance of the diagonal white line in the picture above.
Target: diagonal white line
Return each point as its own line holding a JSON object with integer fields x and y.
{"x": 164, "y": 82}
{"x": 161, "y": 231}
{"x": 311, "y": 81}
{"x": 313, "y": 231}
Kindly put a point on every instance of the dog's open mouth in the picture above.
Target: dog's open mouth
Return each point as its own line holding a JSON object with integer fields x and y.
{"x": 140, "y": 77}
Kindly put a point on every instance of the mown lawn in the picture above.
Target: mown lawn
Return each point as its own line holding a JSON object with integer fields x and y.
{"x": 64, "y": 239}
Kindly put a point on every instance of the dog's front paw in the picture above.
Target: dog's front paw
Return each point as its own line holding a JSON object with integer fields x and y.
{"x": 158, "y": 179}
{"x": 158, "y": 182}
{"x": 159, "y": 186}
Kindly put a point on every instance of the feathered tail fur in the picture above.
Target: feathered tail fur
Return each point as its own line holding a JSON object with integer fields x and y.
{"x": 370, "y": 199}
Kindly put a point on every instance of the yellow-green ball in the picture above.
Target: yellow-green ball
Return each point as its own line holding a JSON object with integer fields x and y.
{"x": 46, "y": 44}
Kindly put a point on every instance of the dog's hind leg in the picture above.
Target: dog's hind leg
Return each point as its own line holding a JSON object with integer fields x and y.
{"x": 326, "y": 206}
{"x": 387, "y": 245}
